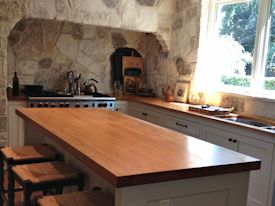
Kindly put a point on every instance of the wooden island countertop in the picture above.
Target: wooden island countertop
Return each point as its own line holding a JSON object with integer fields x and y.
{"x": 127, "y": 151}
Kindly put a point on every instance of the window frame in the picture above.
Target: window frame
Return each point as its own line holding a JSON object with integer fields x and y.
{"x": 261, "y": 46}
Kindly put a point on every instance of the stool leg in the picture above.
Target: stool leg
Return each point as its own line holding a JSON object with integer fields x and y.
{"x": 27, "y": 190}
{"x": 1, "y": 179}
{"x": 10, "y": 186}
{"x": 80, "y": 184}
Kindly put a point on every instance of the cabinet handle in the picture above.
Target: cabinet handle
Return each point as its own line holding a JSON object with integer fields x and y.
{"x": 230, "y": 139}
{"x": 144, "y": 114}
{"x": 117, "y": 109}
{"x": 234, "y": 141}
{"x": 181, "y": 125}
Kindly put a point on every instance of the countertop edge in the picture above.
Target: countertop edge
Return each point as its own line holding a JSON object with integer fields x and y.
{"x": 187, "y": 173}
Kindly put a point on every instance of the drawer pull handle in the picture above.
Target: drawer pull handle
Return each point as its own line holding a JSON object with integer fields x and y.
{"x": 144, "y": 114}
{"x": 181, "y": 125}
{"x": 230, "y": 140}
{"x": 234, "y": 141}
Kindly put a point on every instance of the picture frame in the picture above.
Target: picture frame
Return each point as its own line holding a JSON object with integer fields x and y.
{"x": 129, "y": 85}
{"x": 181, "y": 92}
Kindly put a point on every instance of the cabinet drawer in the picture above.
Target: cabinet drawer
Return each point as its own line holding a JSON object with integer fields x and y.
{"x": 183, "y": 126}
{"x": 147, "y": 115}
{"x": 121, "y": 106}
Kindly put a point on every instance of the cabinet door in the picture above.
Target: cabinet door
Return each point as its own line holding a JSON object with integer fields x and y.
{"x": 259, "y": 179}
{"x": 220, "y": 137}
{"x": 16, "y": 127}
{"x": 184, "y": 126}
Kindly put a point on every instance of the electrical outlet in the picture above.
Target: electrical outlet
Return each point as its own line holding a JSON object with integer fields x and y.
{"x": 164, "y": 203}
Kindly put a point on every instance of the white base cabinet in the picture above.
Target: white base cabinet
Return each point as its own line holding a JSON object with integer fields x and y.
{"x": 259, "y": 179}
{"x": 16, "y": 126}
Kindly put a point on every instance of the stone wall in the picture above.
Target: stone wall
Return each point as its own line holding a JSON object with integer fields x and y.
{"x": 42, "y": 51}
{"x": 10, "y": 12}
{"x": 163, "y": 69}
{"x": 153, "y": 16}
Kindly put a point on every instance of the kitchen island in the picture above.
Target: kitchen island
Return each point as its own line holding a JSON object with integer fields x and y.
{"x": 144, "y": 163}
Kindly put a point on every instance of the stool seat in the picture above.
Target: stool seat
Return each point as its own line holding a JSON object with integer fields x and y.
{"x": 86, "y": 198}
{"x": 26, "y": 153}
{"x": 44, "y": 172}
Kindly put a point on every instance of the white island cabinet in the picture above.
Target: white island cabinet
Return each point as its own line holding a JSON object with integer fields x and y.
{"x": 16, "y": 126}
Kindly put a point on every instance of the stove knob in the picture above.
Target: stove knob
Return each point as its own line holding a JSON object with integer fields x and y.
{"x": 93, "y": 104}
{"x": 61, "y": 105}
{"x": 53, "y": 105}
{"x": 86, "y": 105}
{"x": 67, "y": 105}
{"x": 46, "y": 105}
{"x": 99, "y": 105}
{"x": 105, "y": 105}
{"x": 77, "y": 105}
{"x": 31, "y": 105}
{"x": 40, "y": 104}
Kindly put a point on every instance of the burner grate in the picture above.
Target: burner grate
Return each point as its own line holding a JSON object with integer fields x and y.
{"x": 47, "y": 94}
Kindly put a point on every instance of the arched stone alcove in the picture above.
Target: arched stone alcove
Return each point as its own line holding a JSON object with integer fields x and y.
{"x": 43, "y": 51}
{"x": 150, "y": 16}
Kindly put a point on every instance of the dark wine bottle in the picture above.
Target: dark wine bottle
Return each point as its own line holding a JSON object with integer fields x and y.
{"x": 15, "y": 85}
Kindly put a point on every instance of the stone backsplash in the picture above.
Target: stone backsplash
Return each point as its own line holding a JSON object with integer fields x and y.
{"x": 42, "y": 51}
{"x": 164, "y": 69}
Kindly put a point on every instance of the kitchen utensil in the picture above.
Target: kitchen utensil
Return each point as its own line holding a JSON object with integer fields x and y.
{"x": 90, "y": 87}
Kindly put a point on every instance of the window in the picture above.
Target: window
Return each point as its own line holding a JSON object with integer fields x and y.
{"x": 269, "y": 73}
{"x": 242, "y": 36}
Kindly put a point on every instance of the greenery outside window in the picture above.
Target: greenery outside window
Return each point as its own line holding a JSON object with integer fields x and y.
{"x": 242, "y": 35}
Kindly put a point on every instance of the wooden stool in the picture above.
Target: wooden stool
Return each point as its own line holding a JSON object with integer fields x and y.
{"x": 44, "y": 176}
{"x": 21, "y": 155}
{"x": 87, "y": 198}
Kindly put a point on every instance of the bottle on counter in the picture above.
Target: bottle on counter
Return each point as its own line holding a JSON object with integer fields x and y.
{"x": 15, "y": 85}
